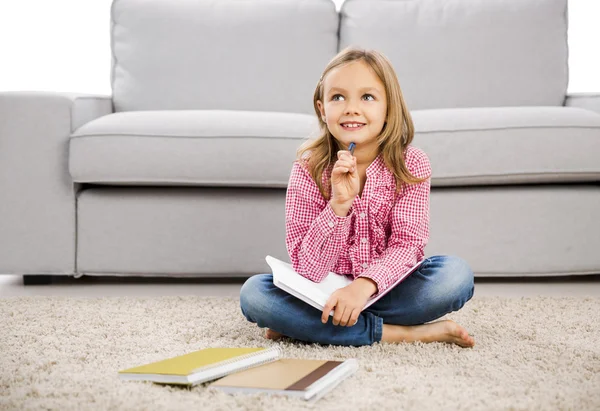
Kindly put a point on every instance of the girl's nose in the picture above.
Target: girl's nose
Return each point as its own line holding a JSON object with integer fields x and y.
{"x": 351, "y": 109}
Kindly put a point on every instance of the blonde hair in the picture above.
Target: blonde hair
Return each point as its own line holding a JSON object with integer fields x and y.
{"x": 396, "y": 135}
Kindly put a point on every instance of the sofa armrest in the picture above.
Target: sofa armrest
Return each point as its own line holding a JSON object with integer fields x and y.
{"x": 38, "y": 208}
{"x": 588, "y": 101}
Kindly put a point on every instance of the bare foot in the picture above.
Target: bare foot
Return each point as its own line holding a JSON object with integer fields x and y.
{"x": 273, "y": 335}
{"x": 444, "y": 331}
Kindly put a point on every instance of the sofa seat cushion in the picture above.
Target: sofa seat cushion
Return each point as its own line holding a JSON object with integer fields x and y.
{"x": 509, "y": 145}
{"x": 189, "y": 147}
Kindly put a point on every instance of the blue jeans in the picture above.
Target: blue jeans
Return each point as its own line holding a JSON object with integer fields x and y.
{"x": 441, "y": 284}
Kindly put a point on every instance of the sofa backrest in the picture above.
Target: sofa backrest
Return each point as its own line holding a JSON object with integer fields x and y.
{"x": 467, "y": 53}
{"x": 264, "y": 55}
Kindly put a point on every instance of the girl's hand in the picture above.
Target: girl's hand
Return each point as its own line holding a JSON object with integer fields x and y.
{"x": 345, "y": 182}
{"x": 348, "y": 302}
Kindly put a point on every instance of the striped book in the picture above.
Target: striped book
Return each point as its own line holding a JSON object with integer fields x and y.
{"x": 306, "y": 379}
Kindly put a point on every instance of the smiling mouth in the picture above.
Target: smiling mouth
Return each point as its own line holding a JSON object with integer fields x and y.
{"x": 352, "y": 126}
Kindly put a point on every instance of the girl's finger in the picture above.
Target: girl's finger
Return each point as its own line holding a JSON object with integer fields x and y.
{"x": 340, "y": 170}
{"x": 346, "y": 316}
{"x": 344, "y": 165}
{"x": 338, "y": 314}
{"x": 354, "y": 317}
{"x": 344, "y": 162}
{"x": 344, "y": 154}
{"x": 329, "y": 305}
{"x": 347, "y": 165}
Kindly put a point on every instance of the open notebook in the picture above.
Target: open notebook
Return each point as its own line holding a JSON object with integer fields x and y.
{"x": 201, "y": 366}
{"x": 317, "y": 294}
{"x": 306, "y": 379}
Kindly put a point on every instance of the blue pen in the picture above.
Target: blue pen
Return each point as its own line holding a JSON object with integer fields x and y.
{"x": 351, "y": 148}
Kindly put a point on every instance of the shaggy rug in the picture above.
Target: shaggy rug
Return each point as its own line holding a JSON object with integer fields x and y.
{"x": 63, "y": 353}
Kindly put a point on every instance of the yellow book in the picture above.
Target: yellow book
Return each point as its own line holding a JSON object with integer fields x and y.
{"x": 201, "y": 366}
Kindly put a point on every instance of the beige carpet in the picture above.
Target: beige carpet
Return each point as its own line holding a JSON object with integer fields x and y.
{"x": 64, "y": 353}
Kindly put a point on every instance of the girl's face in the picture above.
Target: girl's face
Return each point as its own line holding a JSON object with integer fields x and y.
{"x": 354, "y": 104}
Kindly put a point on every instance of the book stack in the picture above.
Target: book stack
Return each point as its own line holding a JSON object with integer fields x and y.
{"x": 249, "y": 370}
{"x": 263, "y": 369}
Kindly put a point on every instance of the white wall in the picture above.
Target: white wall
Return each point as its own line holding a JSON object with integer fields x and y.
{"x": 63, "y": 45}
{"x": 584, "y": 52}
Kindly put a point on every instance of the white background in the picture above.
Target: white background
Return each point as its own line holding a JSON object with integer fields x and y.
{"x": 64, "y": 45}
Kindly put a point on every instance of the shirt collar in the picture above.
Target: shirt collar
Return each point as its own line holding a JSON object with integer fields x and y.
{"x": 376, "y": 166}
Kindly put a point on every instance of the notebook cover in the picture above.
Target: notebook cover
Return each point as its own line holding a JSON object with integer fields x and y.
{"x": 284, "y": 374}
{"x": 185, "y": 364}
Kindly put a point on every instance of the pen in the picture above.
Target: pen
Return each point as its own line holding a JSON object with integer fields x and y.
{"x": 351, "y": 148}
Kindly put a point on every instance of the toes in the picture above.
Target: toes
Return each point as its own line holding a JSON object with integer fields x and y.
{"x": 273, "y": 335}
{"x": 469, "y": 341}
{"x": 464, "y": 343}
{"x": 463, "y": 338}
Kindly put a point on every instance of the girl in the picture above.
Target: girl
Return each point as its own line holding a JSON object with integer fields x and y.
{"x": 364, "y": 214}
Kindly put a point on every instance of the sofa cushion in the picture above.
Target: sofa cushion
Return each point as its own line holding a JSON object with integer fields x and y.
{"x": 233, "y": 148}
{"x": 189, "y": 147}
{"x": 509, "y": 145}
{"x": 467, "y": 53}
{"x": 262, "y": 55}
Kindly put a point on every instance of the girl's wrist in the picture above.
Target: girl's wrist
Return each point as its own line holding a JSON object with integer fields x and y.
{"x": 367, "y": 285}
{"x": 340, "y": 209}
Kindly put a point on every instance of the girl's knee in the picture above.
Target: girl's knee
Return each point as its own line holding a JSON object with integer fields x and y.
{"x": 462, "y": 277}
{"x": 454, "y": 278}
{"x": 460, "y": 269}
{"x": 253, "y": 296}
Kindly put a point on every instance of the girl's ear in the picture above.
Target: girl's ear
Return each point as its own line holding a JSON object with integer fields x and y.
{"x": 321, "y": 108}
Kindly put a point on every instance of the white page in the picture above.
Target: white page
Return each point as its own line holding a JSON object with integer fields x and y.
{"x": 289, "y": 280}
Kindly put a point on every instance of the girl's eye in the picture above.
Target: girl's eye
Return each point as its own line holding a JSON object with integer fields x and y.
{"x": 339, "y": 97}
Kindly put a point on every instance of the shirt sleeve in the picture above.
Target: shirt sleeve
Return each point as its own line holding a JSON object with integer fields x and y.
{"x": 409, "y": 227}
{"x": 315, "y": 235}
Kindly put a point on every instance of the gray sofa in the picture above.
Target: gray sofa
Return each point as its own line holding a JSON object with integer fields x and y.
{"x": 182, "y": 170}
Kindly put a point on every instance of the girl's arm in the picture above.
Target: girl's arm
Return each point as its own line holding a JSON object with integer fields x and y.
{"x": 315, "y": 235}
{"x": 410, "y": 226}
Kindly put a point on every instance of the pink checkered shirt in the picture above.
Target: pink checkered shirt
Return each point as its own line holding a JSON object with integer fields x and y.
{"x": 383, "y": 235}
